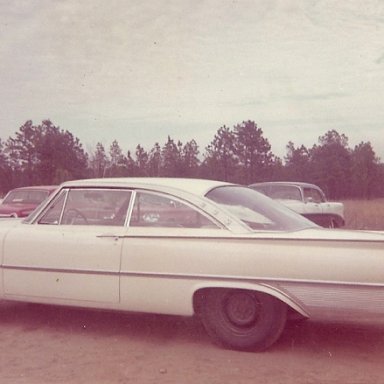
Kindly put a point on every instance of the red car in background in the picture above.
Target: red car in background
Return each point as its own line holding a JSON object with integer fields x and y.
{"x": 20, "y": 202}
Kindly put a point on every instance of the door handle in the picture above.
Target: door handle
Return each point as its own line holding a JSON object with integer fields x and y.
{"x": 108, "y": 236}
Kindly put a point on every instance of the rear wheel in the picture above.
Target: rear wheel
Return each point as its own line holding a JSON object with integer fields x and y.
{"x": 243, "y": 319}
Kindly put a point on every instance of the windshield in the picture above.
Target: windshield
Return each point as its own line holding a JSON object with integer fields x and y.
{"x": 25, "y": 197}
{"x": 256, "y": 210}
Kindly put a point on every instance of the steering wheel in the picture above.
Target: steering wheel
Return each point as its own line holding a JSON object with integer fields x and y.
{"x": 72, "y": 214}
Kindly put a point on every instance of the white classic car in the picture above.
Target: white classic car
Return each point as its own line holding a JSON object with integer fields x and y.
{"x": 190, "y": 247}
{"x": 304, "y": 198}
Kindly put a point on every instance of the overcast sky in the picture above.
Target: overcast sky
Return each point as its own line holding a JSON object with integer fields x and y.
{"x": 140, "y": 70}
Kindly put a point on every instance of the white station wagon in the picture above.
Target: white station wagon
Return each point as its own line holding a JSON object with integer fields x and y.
{"x": 224, "y": 252}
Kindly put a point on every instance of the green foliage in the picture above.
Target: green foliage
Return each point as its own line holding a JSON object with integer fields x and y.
{"x": 330, "y": 165}
{"x": 154, "y": 161}
{"x": 60, "y": 155}
{"x": 220, "y": 159}
{"x": 239, "y": 155}
{"x": 98, "y": 161}
{"x": 253, "y": 152}
{"x": 118, "y": 162}
{"x": 365, "y": 172}
{"x": 190, "y": 159}
{"x": 46, "y": 154}
{"x": 171, "y": 159}
{"x": 5, "y": 171}
{"x": 297, "y": 163}
{"x": 142, "y": 160}
{"x": 338, "y": 170}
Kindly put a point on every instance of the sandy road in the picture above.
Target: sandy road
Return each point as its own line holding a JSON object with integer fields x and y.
{"x": 48, "y": 344}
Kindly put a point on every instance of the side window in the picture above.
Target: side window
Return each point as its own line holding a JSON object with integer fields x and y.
{"x": 313, "y": 195}
{"x": 285, "y": 192}
{"x": 53, "y": 212}
{"x": 154, "y": 210}
{"x": 89, "y": 207}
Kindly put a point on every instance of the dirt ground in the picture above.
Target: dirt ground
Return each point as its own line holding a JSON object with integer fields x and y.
{"x": 49, "y": 344}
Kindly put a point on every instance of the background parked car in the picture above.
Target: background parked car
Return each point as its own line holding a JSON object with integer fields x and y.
{"x": 20, "y": 202}
{"x": 307, "y": 199}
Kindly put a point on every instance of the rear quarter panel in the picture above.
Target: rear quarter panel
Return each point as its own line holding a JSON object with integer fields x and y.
{"x": 163, "y": 271}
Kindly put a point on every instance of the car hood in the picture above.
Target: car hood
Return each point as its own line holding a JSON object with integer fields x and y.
{"x": 8, "y": 209}
{"x": 9, "y": 222}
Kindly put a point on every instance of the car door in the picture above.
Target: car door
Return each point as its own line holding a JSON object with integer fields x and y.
{"x": 71, "y": 252}
{"x": 164, "y": 244}
{"x": 314, "y": 201}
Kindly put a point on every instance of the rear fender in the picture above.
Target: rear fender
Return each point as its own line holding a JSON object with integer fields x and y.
{"x": 198, "y": 294}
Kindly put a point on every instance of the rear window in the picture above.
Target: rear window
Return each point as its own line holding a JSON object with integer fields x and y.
{"x": 256, "y": 210}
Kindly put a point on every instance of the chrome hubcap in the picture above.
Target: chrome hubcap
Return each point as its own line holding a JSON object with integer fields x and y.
{"x": 242, "y": 309}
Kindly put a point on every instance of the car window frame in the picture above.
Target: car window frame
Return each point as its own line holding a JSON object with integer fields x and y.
{"x": 309, "y": 198}
{"x": 216, "y": 224}
{"x": 277, "y": 192}
{"x": 65, "y": 193}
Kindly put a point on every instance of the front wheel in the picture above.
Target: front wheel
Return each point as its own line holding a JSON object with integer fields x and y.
{"x": 243, "y": 319}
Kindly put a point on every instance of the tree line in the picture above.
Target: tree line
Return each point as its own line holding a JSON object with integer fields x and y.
{"x": 46, "y": 154}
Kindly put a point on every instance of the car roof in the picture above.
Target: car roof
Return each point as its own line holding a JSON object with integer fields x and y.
{"x": 194, "y": 190}
{"x": 36, "y": 187}
{"x": 294, "y": 183}
{"x": 199, "y": 187}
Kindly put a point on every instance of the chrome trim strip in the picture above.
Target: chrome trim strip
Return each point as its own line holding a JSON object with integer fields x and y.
{"x": 329, "y": 301}
{"x": 258, "y": 280}
{"x": 130, "y": 208}
{"x": 64, "y": 204}
{"x": 58, "y": 270}
{"x": 247, "y": 237}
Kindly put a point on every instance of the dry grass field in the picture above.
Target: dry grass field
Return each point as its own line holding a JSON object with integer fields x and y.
{"x": 364, "y": 214}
